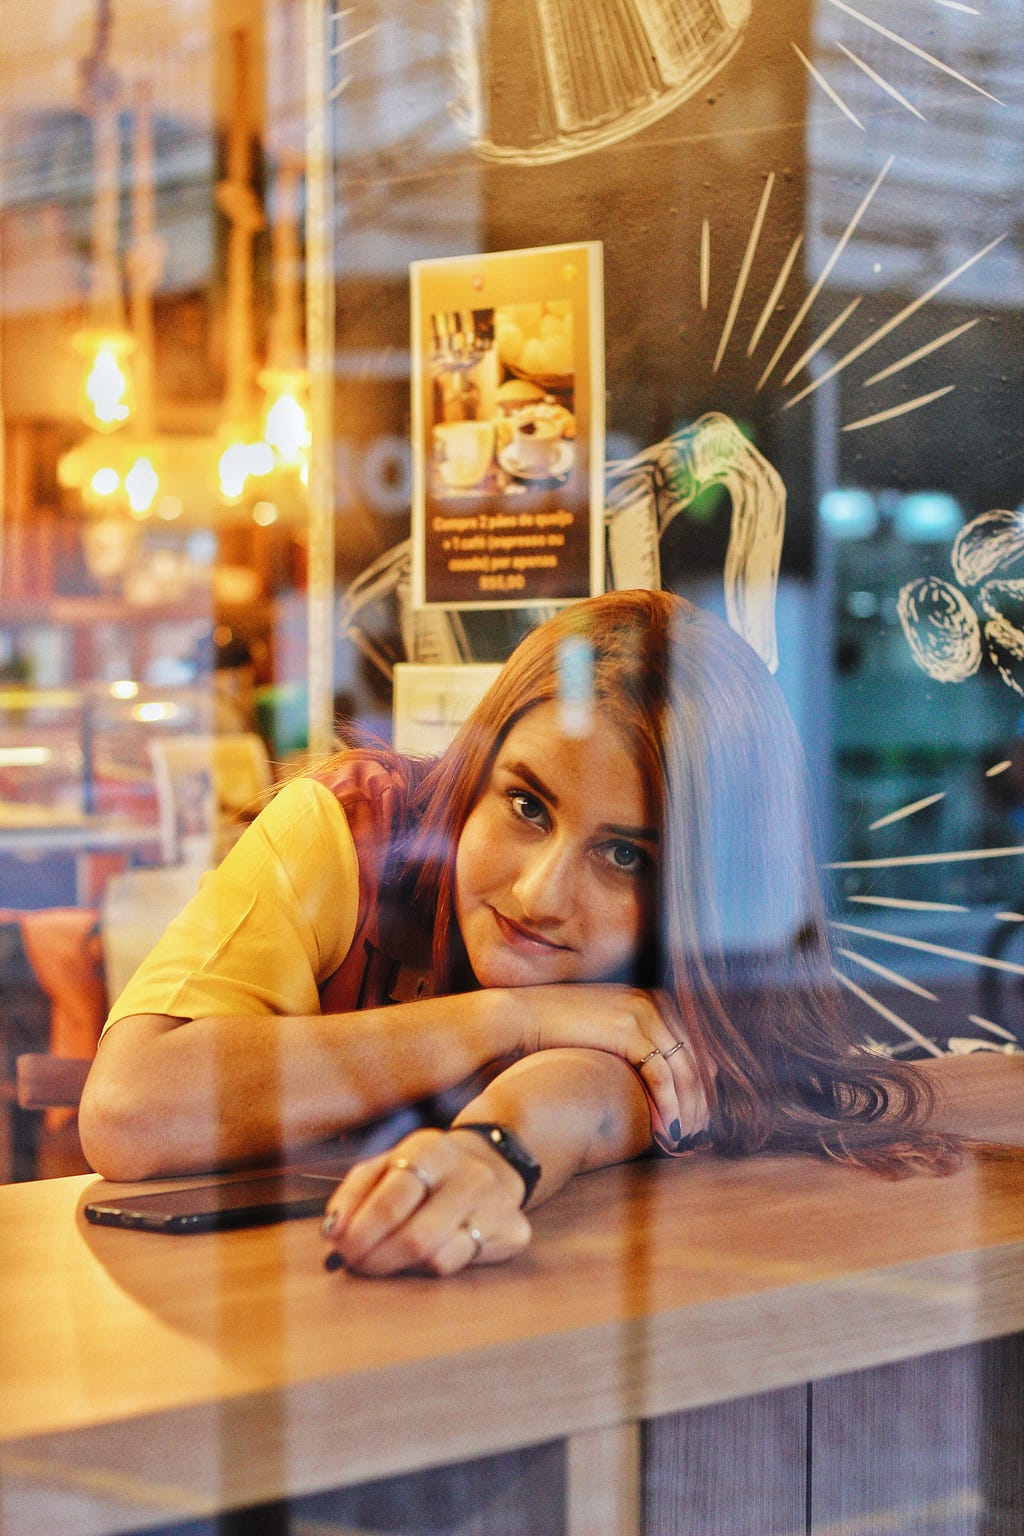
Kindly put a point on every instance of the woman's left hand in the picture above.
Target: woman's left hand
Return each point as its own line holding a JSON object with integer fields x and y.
{"x": 435, "y": 1203}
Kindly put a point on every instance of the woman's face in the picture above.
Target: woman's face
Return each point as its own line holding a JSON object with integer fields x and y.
{"x": 553, "y": 871}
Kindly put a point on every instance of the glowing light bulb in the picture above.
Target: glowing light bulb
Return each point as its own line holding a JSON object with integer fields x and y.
{"x": 286, "y": 418}
{"x": 105, "y": 481}
{"x": 287, "y": 429}
{"x": 233, "y": 470}
{"x": 141, "y": 483}
{"x": 108, "y": 390}
{"x": 149, "y": 713}
{"x": 238, "y": 462}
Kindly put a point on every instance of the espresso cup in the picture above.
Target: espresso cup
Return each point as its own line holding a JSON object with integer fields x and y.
{"x": 537, "y": 443}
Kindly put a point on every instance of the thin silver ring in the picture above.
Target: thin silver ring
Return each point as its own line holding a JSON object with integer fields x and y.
{"x": 405, "y": 1166}
{"x": 677, "y": 1047}
{"x": 476, "y": 1238}
{"x": 649, "y": 1057}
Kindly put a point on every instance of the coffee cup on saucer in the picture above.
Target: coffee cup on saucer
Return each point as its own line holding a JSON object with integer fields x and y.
{"x": 536, "y": 444}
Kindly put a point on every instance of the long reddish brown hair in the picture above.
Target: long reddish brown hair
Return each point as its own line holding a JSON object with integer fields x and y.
{"x": 740, "y": 934}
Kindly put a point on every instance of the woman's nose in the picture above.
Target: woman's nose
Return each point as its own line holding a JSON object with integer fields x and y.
{"x": 545, "y": 884}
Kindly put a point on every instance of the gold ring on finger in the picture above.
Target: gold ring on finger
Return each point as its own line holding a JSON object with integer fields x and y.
{"x": 649, "y": 1057}
{"x": 405, "y": 1166}
{"x": 677, "y": 1047}
{"x": 476, "y": 1238}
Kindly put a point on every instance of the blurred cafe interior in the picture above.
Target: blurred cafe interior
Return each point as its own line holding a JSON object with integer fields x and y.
{"x": 793, "y": 391}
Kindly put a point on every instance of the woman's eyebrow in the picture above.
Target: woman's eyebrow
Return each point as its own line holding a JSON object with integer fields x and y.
{"x": 536, "y": 783}
{"x": 639, "y": 834}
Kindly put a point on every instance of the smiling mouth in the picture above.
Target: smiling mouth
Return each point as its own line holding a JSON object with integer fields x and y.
{"x": 522, "y": 938}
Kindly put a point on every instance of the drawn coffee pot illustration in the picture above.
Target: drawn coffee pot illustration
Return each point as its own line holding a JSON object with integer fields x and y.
{"x": 532, "y": 78}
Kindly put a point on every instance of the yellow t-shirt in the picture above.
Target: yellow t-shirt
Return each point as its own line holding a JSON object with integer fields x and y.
{"x": 266, "y": 927}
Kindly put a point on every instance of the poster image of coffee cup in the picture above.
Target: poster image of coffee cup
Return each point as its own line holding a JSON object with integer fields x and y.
{"x": 508, "y": 428}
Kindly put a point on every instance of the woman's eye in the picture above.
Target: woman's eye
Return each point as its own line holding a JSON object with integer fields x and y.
{"x": 526, "y": 806}
{"x": 626, "y": 857}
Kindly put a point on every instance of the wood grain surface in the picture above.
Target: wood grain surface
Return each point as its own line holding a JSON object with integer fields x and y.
{"x": 151, "y": 1376}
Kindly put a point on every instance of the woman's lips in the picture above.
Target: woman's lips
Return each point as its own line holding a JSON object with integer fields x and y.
{"x": 524, "y": 939}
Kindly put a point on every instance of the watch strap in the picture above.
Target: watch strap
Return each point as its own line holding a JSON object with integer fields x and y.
{"x": 507, "y": 1144}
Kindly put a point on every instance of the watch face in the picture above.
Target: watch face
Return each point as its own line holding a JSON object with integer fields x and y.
{"x": 508, "y": 1145}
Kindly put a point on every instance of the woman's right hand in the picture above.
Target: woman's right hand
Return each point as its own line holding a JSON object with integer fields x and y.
{"x": 643, "y": 1028}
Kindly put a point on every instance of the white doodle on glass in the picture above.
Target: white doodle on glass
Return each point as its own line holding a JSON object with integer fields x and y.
{"x": 573, "y": 99}
{"x": 645, "y": 493}
{"x": 985, "y": 545}
{"x": 946, "y": 636}
{"x": 643, "y": 496}
{"x": 941, "y": 627}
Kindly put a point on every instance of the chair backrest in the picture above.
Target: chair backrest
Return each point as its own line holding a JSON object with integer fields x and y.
{"x": 206, "y": 786}
{"x": 50, "y": 1082}
{"x": 137, "y": 906}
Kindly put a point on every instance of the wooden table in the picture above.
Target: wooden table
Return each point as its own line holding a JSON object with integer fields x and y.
{"x": 648, "y": 1361}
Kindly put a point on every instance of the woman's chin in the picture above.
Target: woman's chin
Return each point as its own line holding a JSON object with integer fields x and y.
{"x": 517, "y": 971}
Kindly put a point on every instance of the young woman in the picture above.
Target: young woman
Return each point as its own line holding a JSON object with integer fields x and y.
{"x": 595, "y": 919}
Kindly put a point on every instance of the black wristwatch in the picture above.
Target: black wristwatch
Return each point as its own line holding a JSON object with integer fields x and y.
{"x": 507, "y": 1144}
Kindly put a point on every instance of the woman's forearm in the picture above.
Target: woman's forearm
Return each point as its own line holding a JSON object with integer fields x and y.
{"x": 575, "y": 1111}
{"x": 166, "y": 1096}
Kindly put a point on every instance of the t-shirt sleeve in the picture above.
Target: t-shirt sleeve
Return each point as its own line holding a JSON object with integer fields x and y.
{"x": 266, "y": 927}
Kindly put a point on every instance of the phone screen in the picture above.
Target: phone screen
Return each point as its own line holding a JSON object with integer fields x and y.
{"x": 218, "y": 1207}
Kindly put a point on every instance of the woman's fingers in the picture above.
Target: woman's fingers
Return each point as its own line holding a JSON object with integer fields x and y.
{"x": 660, "y": 1085}
{"x": 693, "y": 1101}
{"x": 675, "y": 1064}
{"x": 433, "y": 1204}
{"x": 643, "y": 1028}
{"x": 623, "y": 1020}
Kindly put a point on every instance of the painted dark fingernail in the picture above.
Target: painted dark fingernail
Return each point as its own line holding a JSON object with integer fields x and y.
{"x": 675, "y": 1130}
{"x": 333, "y": 1261}
{"x": 691, "y": 1143}
{"x": 328, "y": 1225}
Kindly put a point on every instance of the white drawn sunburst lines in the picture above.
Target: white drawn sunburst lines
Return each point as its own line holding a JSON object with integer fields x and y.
{"x": 833, "y": 95}
{"x": 744, "y": 273}
{"x": 822, "y": 340}
{"x": 341, "y": 46}
{"x": 900, "y": 1023}
{"x": 919, "y": 53}
{"x": 823, "y": 276}
{"x": 906, "y": 810}
{"x": 945, "y": 951}
{"x": 909, "y": 860}
{"x": 903, "y": 409}
{"x": 920, "y": 352}
{"x": 705, "y": 263}
{"x": 775, "y": 295}
{"x": 880, "y": 80}
{"x": 886, "y": 329}
{"x": 896, "y": 977}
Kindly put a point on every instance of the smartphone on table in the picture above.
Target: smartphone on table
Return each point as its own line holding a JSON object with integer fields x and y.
{"x": 256, "y": 1202}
